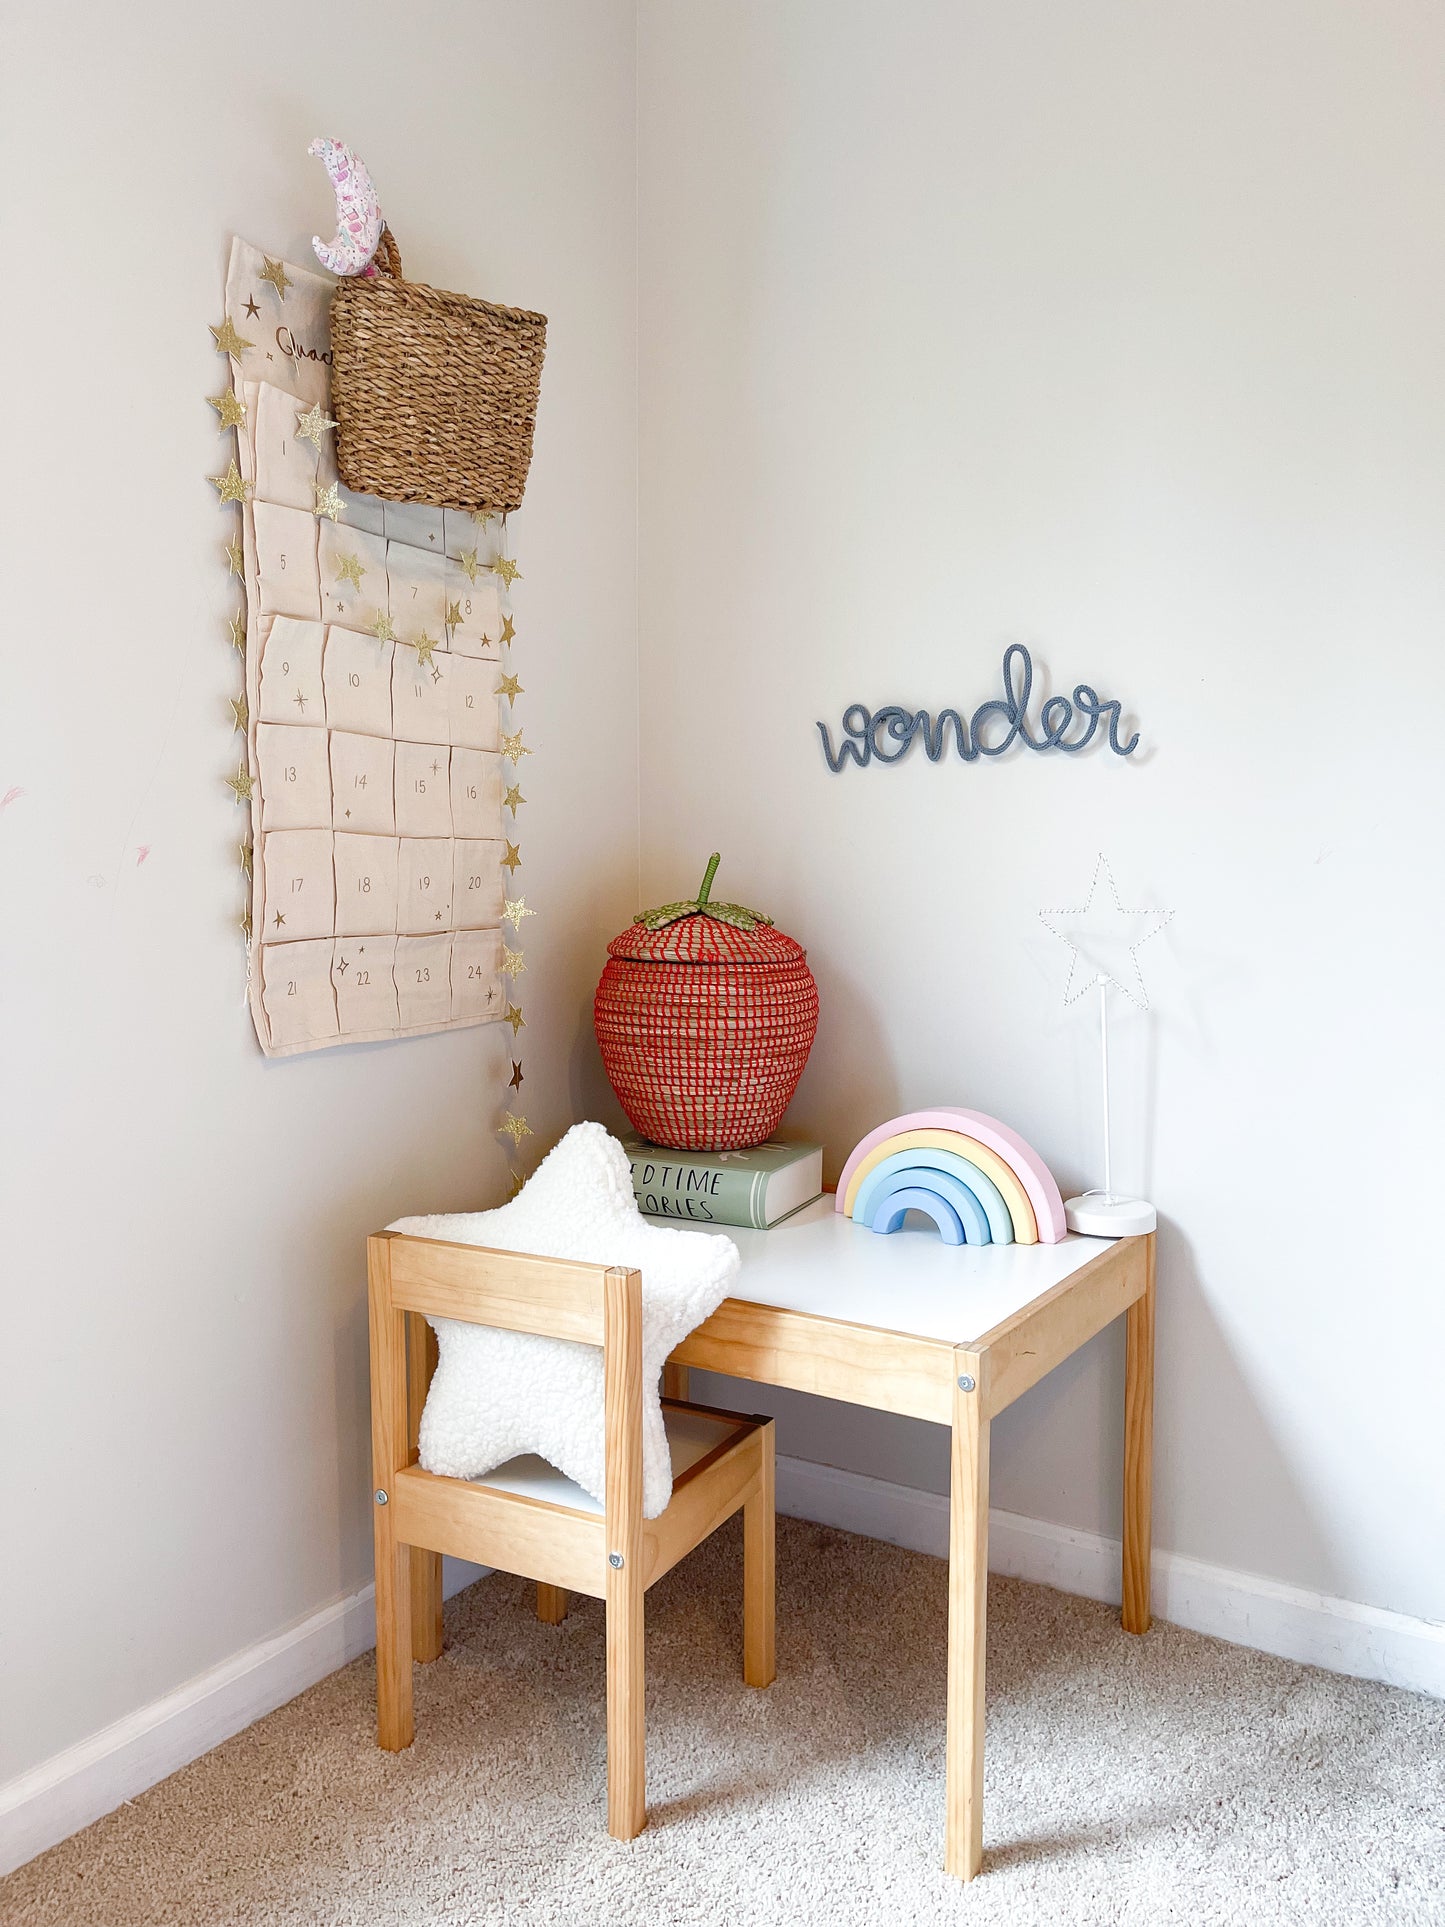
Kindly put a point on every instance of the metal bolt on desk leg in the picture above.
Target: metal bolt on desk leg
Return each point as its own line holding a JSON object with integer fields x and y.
{"x": 965, "y": 1383}
{"x": 614, "y": 1559}
{"x": 380, "y": 1496}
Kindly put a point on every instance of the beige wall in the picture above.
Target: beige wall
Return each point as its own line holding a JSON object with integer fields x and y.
{"x": 1114, "y": 329}
{"x": 184, "y": 1339}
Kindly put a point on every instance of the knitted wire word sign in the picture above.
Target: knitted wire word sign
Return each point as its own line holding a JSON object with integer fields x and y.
{"x": 885, "y": 735}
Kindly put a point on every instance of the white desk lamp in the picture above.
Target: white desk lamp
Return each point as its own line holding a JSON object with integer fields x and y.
{"x": 1104, "y": 940}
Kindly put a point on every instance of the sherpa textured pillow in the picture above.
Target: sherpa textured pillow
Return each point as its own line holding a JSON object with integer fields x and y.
{"x": 499, "y": 1393}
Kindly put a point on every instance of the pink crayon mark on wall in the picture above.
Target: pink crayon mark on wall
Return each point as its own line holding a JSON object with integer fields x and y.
{"x": 11, "y": 796}
{"x": 141, "y": 854}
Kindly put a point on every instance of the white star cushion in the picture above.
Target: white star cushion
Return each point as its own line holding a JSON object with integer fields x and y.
{"x": 497, "y": 1394}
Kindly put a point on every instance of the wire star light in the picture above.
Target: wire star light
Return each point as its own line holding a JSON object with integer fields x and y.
{"x": 1104, "y": 940}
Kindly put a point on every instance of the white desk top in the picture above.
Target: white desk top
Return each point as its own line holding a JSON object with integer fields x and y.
{"x": 909, "y": 1281}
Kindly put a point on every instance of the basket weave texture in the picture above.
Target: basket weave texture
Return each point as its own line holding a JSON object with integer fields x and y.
{"x": 435, "y": 394}
{"x": 704, "y": 1030}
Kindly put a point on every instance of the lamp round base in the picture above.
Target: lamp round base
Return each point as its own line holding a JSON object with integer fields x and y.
{"x": 1096, "y": 1216}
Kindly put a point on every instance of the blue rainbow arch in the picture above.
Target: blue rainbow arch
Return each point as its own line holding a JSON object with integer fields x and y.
{"x": 951, "y": 1175}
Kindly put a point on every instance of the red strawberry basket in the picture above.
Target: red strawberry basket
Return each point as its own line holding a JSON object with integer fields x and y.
{"x": 705, "y": 1015}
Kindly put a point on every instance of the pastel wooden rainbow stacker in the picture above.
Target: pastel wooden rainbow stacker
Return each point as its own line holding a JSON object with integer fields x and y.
{"x": 1001, "y": 1172}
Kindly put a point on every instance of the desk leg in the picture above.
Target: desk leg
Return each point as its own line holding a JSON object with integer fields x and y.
{"x": 1139, "y": 1450}
{"x": 967, "y": 1602}
{"x": 426, "y": 1567}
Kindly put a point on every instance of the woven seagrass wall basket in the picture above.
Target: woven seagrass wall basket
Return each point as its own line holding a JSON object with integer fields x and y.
{"x": 435, "y": 394}
{"x": 705, "y": 1016}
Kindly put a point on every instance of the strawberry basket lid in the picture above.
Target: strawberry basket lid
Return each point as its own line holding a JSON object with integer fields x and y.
{"x": 700, "y": 931}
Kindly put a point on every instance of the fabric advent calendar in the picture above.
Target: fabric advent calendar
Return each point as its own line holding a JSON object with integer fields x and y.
{"x": 374, "y": 741}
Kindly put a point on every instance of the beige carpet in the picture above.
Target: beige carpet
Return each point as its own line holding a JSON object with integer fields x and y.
{"x": 1171, "y": 1779}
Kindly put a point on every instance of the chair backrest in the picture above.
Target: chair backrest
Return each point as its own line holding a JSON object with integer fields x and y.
{"x": 550, "y": 1297}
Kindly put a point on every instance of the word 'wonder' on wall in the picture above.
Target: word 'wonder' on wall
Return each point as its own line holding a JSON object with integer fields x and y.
{"x": 885, "y": 735}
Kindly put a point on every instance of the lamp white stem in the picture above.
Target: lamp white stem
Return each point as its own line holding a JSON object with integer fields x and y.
{"x": 1104, "y": 1083}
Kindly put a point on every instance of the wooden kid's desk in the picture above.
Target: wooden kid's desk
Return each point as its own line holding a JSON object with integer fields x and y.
{"x": 942, "y": 1332}
{"x": 954, "y": 1334}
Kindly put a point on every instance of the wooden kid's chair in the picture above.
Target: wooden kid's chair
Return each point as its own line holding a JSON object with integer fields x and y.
{"x": 526, "y": 1517}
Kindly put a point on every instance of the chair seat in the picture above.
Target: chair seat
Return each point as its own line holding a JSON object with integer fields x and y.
{"x": 691, "y": 1435}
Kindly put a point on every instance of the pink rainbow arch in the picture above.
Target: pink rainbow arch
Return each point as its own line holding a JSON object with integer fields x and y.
{"x": 1034, "y": 1175}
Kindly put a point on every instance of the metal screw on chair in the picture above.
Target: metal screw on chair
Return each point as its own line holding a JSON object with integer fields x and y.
{"x": 380, "y": 1496}
{"x": 965, "y": 1383}
{"x": 614, "y": 1559}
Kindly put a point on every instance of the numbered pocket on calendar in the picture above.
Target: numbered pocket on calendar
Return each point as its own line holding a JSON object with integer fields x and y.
{"x": 299, "y": 895}
{"x": 295, "y": 777}
{"x": 292, "y": 689}
{"x": 472, "y": 611}
{"x": 420, "y": 696}
{"x": 416, "y": 580}
{"x": 357, "y": 675}
{"x": 473, "y": 710}
{"x": 288, "y": 465}
{"x": 423, "y": 980}
{"x": 477, "y": 883}
{"x": 423, "y": 790}
{"x": 366, "y": 869}
{"x": 362, "y": 979}
{"x": 361, "y": 784}
{"x": 476, "y": 792}
{"x": 286, "y": 567}
{"x": 296, "y": 993}
{"x": 424, "y": 885}
{"x": 353, "y": 575}
{"x": 417, "y": 524}
{"x": 477, "y": 990}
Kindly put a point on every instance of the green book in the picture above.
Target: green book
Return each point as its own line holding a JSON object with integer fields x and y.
{"x": 755, "y": 1187}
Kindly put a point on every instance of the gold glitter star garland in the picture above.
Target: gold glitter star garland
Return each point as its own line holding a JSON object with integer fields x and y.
{"x": 231, "y": 486}
{"x": 514, "y": 1126}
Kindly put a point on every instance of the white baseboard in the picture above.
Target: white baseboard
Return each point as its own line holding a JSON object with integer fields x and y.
{"x": 1238, "y": 1606}
{"x": 65, "y": 1793}
{"x": 68, "y": 1791}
